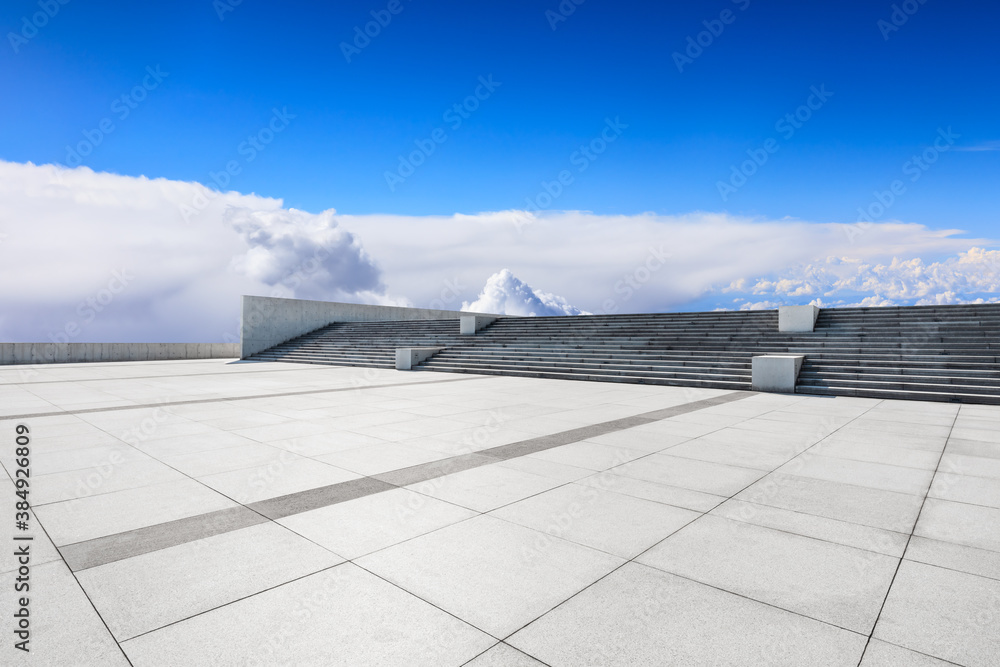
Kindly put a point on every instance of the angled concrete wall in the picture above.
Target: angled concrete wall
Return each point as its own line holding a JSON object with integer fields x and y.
{"x": 74, "y": 353}
{"x": 269, "y": 321}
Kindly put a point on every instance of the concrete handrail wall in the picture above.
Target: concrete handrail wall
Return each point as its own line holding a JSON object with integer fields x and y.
{"x": 73, "y": 353}
{"x": 269, "y": 321}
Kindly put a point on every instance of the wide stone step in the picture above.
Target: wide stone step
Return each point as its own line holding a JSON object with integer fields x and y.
{"x": 580, "y": 366}
{"x": 903, "y": 384}
{"x": 707, "y": 384}
{"x": 891, "y": 394}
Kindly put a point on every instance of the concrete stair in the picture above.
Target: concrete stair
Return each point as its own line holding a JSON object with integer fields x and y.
{"x": 942, "y": 353}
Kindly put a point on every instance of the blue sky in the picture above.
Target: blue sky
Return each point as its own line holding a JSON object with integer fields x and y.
{"x": 180, "y": 91}
{"x": 685, "y": 129}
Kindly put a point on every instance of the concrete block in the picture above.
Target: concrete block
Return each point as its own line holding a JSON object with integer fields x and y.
{"x": 797, "y": 318}
{"x": 776, "y": 372}
{"x": 6, "y": 353}
{"x": 408, "y": 357}
{"x": 470, "y": 324}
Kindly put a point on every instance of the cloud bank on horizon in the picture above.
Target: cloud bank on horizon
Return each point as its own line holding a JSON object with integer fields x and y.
{"x": 87, "y": 256}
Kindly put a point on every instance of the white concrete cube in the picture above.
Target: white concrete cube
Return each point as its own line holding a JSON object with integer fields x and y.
{"x": 408, "y": 357}
{"x": 797, "y": 318}
{"x": 776, "y": 372}
{"x": 470, "y": 324}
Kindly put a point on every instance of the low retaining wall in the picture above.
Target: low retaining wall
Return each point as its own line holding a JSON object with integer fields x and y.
{"x": 72, "y": 353}
{"x": 269, "y": 321}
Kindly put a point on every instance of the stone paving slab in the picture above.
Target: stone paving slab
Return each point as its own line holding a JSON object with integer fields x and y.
{"x": 205, "y": 512}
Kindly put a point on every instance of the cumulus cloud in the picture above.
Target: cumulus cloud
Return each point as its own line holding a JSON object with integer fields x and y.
{"x": 308, "y": 255}
{"x": 87, "y": 256}
{"x": 504, "y": 294}
{"x": 971, "y": 276}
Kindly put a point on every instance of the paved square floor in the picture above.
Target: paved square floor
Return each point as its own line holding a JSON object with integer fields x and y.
{"x": 236, "y": 513}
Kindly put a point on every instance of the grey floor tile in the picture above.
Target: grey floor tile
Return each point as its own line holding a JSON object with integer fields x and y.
{"x": 641, "y": 440}
{"x": 46, "y": 463}
{"x": 885, "y": 542}
{"x": 711, "y": 478}
{"x": 829, "y": 582}
{"x": 598, "y": 518}
{"x": 966, "y": 489}
{"x": 943, "y": 613}
{"x": 978, "y": 466}
{"x": 278, "y": 478}
{"x": 590, "y": 455}
{"x": 873, "y": 475}
{"x": 493, "y": 574}
{"x": 88, "y": 518}
{"x": 882, "y": 654}
{"x": 193, "y": 444}
{"x": 561, "y": 472}
{"x": 713, "y": 449}
{"x": 292, "y": 625}
{"x": 101, "y": 479}
{"x": 876, "y": 453}
{"x": 140, "y": 594}
{"x": 65, "y": 629}
{"x": 642, "y": 616}
{"x": 837, "y": 500}
{"x": 485, "y": 488}
{"x": 380, "y": 458}
{"x": 971, "y": 525}
{"x": 954, "y": 556}
{"x": 988, "y": 450}
{"x": 358, "y": 527}
{"x": 661, "y": 493}
{"x": 199, "y": 464}
{"x": 503, "y": 655}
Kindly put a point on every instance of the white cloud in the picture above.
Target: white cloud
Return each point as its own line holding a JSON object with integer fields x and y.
{"x": 309, "y": 255}
{"x": 65, "y": 234}
{"x": 504, "y": 294}
{"x": 969, "y": 276}
{"x": 637, "y": 263}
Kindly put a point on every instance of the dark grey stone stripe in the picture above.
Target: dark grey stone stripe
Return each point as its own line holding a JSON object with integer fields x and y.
{"x": 311, "y": 499}
{"x": 195, "y": 401}
{"x": 102, "y": 550}
{"x": 144, "y": 540}
{"x": 425, "y": 471}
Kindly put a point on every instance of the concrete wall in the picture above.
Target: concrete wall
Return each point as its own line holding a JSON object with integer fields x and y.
{"x": 71, "y": 353}
{"x": 269, "y": 321}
